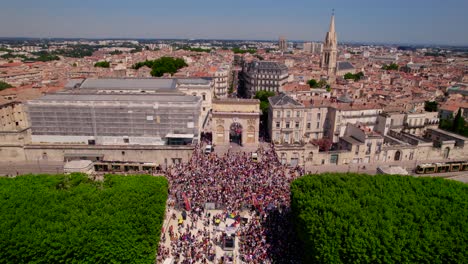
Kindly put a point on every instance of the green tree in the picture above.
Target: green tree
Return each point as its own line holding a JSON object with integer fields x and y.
{"x": 312, "y": 83}
{"x": 431, "y": 106}
{"x": 322, "y": 83}
{"x": 241, "y": 51}
{"x": 71, "y": 219}
{"x": 355, "y": 218}
{"x": 196, "y": 49}
{"x": 4, "y": 85}
{"x": 162, "y": 65}
{"x": 356, "y": 77}
{"x": 391, "y": 67}
{"x": 263, "y": 97}
{"x": 115, "y": 52}
{"x": 458, "y": 122}
{"x": 102, "y": 64}
{"x": 349, "y": 76}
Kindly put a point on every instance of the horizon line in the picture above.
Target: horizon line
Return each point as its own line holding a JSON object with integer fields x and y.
{"x": 239, "y": 39}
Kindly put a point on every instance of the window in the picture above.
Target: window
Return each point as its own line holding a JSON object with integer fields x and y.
{"x": 278, "y": 124}
{"x": 176, "y": 161}
{"x": 318, "y": 125}
{"x": 369, "y": 146}
{"x": 91, "y": 142}
{"x": 309, "y": 116}
{"x": 204, "y": 108}
{"x": 278, "y": 114}
{"x": 298, "y": 114}
{"x": 397, "y": 156}
{"x": 318, "y": 116}
{"x": 277, "y": 136}
{"x": 286, "y": 137}
{"x": 288, "y": 113}
{"x": 297, "y": 124}
{"x": 334, "y": 159}
{"x": 308, "y": 125}
{"x": 296, "y": 136}
{"x": 204, "y": 97}
{"x": 126, "y": 140}
{"x": 287, "y": 124}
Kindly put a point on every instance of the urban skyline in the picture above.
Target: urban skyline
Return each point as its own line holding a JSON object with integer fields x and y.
{"x": 398, "y": 22}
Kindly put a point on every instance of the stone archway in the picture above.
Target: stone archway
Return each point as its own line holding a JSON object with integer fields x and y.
{"x": 240, "y": 120}
{"x": 235, "y": 133}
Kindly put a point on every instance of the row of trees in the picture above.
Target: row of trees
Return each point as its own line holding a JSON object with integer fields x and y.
{"x": 456, "y": 125}
{"x": 4, "y": 85}
{"x": 196, "y": 49}
{"x": 102, "y": 64}
{"x": 391, "y": 67}
{"x": 356, "y": 77}
{"x": 71, "y": 219}
{"x": 352, "y": 218}
{"x": 162, "y": 65}
{"x": 44, "y": 56}
{"x": 78, "y": 51}
{"x": 243, "y": 51}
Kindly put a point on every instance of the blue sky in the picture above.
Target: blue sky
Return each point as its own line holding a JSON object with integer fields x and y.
{"x": 397, "y": 21}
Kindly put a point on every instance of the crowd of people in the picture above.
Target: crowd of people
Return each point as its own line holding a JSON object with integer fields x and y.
{"x": 234, "y": 182}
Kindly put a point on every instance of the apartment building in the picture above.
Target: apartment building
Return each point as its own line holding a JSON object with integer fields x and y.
{"x": 263, "y": 76}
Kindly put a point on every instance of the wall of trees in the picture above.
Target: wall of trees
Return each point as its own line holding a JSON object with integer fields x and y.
{"x": 351, "y": 218}
{"x": 71, "y": 219}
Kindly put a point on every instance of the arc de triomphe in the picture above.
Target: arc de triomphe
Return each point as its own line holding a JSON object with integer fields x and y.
{"x": 235, "y": 120}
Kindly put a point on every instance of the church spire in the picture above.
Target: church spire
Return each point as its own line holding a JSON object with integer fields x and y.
{"x": 332, "y": 22}
{"x": 330, "y": 51}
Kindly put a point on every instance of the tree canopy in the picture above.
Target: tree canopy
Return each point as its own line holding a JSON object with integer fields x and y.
{"x": 356, "y": 77}
{"x": 456, "y": 125}
{"x": 43, "y": 56}
{"x": 316, "y": 84}
{"x": 71, "y": 219}
{"x": 162, "y": 65}
{"x": 102, "y": 64}
{"x": 263, "y": 97}
{"x": 431, "y": 106}
{"x": 196, "y": 49}
{"x": 78, "y": 51}
{"x": 116, "y": 52}
{"x": 391, "y": 67}
{"x": 242, "y": 51}
{"x": 4, "y": 85}
{"x": 352, "y": 218}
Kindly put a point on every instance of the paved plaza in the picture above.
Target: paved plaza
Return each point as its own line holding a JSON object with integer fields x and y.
{"x": 228, "y": 194}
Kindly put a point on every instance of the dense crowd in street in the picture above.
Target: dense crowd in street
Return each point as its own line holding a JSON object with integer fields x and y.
{"x": 234, "y": 182}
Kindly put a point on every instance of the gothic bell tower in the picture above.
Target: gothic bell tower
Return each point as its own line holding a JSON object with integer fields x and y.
{"x": 329, "y": 54}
